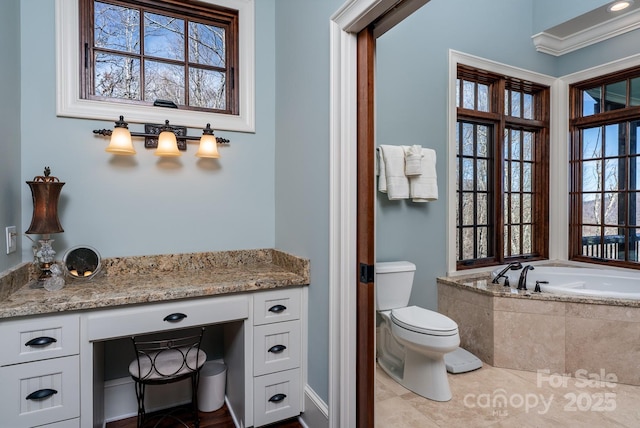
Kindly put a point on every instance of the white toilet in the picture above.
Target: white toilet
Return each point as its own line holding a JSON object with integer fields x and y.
{"x": 411, "y": 341}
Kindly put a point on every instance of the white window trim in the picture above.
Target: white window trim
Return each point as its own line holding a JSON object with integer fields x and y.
{"x": 69, "y": 103}
{"x": 557, "y": 170}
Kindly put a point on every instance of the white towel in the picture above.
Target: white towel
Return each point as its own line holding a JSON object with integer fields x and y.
{"x": 424, "y": 187}
{"x": 397, "y": 184}
{"x": 381, "y": 172}
{"x": 412, "y": 160}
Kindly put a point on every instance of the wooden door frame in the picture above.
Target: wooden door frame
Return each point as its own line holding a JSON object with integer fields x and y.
{"x": 344, "y": 389}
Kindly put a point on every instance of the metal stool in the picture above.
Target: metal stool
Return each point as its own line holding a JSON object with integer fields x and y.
{"x": 164, "y": 361}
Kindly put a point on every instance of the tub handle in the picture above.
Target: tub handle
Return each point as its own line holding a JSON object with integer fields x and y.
{"x": 537, "y": 289}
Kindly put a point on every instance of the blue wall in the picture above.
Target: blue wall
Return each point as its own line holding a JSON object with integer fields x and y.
{"x": 144, "y": 204}
{"x": 302, "y": 159}
{"x": 10, "y": 179}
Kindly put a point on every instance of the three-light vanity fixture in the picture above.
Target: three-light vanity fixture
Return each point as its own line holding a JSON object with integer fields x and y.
{"x": 168, "y": 140}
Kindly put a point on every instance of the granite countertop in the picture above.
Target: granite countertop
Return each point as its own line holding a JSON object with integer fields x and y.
{"x": 481, "y": 283}
{"x": 146, "y": 279}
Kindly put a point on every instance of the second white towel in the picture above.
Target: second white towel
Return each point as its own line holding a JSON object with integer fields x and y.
{"x": 424, "y": 187}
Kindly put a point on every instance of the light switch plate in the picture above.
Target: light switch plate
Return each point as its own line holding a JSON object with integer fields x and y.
{"x": 11, "y": 239}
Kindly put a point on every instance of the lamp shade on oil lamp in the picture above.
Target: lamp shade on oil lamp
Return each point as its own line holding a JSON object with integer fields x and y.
{"x": 45, "y": 191}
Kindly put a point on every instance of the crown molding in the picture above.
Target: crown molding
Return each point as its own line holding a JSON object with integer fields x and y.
{"x": 551, "y": 44}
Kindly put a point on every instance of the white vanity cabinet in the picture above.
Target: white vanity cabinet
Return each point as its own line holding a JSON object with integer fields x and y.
{"x": 40, "y": 372}
{"x": 277, "y": 346}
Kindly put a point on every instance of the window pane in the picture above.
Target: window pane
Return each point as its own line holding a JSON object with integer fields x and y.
{"x": 634, "y": 128}
{"x": 591, "y": 176}
{"x": 616, "y": 96}
{"x": 457, "y": 92}
{"x": 527, "y": 145}
{"x": 591, "y": 205}
{"x": 164, "y": 81}
{"x": 592, "y": 143}
{"x": 467, "y": 174}
{"x": 634, "y": 244}
{"x": 515, "y": 144}
{"x": 468, "y": 209}
{"x": 591, "y": 100}
{"x": 515, "y": 208}
{"x": 483, "y": 97}
{"x": 467, "y": 244}
{"x": 468, "y": 95}
{"x": 206, "y": 89}
{"x": 116, "y": 28}
{"x": 591, "y": 241}
{"x": 515, "y": 104}
{"x": 482, "y": 174}
{"x": 482, "y": 145}
{"x": 613, "y": 247}
{"x": 634, "y": 173}
{"x": 527, "y": 177}
{"x": 515, "y": 176}
{"x": 483, "y": 242}
{"x": 634, "y": 99}
{"x": 117, "y": 76}
{"x": 482, "y": 205}
{"x": 614, "y": 174}
{"x": 528, "y": 106}
{"x": 207, "y": 44}
{"x": 634, "y": 211}
{"x": 467, "y": 139}
{"x": 163, "y": 36}
{"x": 527, "y": 208}
{"x": 527, "y": 239}
{"x": 614, "y": 145}
{"x": 614, "y": 212}
{"x": 515, "y": 240}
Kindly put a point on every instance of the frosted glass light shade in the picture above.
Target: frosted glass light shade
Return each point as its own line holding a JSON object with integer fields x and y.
{"x": 120, "y": 143}
{"x": 208, "y": 147}
{"x": 167, "y": 145}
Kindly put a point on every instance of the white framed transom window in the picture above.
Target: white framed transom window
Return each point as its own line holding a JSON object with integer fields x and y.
{"x": 70, "y": 103}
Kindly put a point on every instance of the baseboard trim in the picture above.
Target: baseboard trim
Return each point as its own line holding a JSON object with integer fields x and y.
{"x": 316, "y": 411}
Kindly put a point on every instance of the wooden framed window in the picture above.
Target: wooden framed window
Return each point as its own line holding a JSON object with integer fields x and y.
{"x": 605, "y": 170}
{"x": 141, "y": 51}
{"x": 502, "y": 169}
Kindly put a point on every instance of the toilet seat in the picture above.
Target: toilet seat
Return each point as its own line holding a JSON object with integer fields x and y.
{"x": 424, "y": 321}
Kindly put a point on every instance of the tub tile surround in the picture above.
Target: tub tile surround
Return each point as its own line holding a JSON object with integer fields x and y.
{"x": 155, "y": 278}
{"x": 539, "y": 331}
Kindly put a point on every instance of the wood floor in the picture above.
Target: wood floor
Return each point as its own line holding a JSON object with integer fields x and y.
{"x": 219, "y": 419}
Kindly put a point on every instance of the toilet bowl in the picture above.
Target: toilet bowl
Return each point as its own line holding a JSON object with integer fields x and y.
{"x": 412, "y": 341}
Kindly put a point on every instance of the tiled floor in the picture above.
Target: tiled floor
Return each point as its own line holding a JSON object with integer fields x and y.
{"x": 494, "y": 397}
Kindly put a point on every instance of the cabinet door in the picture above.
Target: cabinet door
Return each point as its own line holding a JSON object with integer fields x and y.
{"x": 39, "y": 338}
{"x": 40, "y": 392}
{"x": 277, "y": 397}
{"x": 276, "y": 347}
{"x": 276, "y": 305}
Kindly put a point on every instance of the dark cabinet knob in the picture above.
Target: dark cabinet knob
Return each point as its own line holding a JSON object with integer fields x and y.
{"x": 175, "y": 317}
{"x": 41, "y": 394}
{"x": 276, "y": 349}
{"x": 276, "y": 309}
{"x": 40, "y": 341}
{"x": 277, "y": 398}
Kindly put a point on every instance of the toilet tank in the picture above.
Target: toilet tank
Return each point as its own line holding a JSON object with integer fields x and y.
{"x": 393, "y": 284}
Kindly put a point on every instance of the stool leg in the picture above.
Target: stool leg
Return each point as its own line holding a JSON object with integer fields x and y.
{"x": 140, "y": 388}
{"x": 194, "y": 399}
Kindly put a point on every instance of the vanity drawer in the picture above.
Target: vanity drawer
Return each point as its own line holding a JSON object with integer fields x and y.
{"x": 39, "y": 338}
{"x": 276, "y": 347}
{"x": 155, "y": 317}
{"x": 276, "y": 305}
{"x": 276, "y": 397}
{"x": 57, "y": 380}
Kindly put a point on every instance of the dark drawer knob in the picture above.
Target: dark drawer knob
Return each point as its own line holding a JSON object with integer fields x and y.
{"x": 277, "y": 398}
{"x": 276, "y": 309}
{"x": 41, "y": 341}
{"x": 276, "y": 349}
{"x": 175, "y": 317}
{"x": 41, "y": 394}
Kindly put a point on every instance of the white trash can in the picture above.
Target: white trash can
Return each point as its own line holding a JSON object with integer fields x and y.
{"x": 213, "y": 378}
